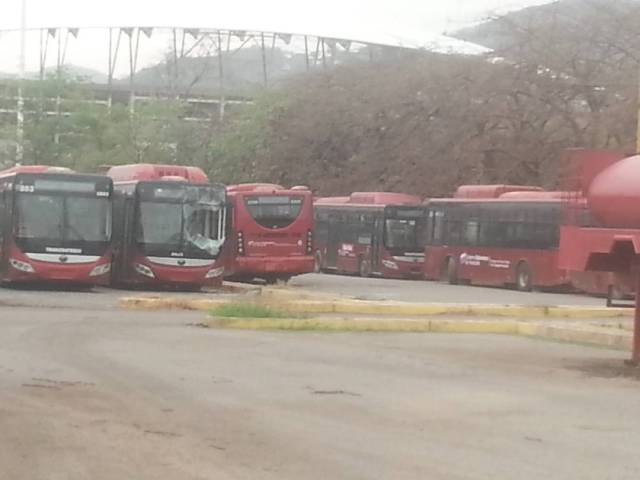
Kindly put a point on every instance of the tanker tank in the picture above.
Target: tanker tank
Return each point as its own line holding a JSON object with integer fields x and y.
{"x": 614, "y": 194}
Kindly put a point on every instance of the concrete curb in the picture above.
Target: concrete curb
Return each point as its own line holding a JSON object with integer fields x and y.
{"x": 574, "y": 333}
{"x": 363, "y": 307}
{"x": 367, "y": 325}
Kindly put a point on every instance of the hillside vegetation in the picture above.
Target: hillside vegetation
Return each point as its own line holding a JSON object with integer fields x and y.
{"x": 427, "y": 123}
{"x": 561, "y": 75}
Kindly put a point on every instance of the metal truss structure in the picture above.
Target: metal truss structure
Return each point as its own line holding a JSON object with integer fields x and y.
{"x": 124, "y": 44}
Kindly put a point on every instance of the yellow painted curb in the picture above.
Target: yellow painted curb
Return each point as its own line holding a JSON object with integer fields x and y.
{"x": 614, "y": 337}
{"x": 361, "y": 307}
{"x": 154, "y": 303}
{"x": 367, "y": 325}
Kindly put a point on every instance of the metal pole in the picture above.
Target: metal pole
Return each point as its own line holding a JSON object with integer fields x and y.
{"x": 174, "y": 74}
{"x": 264, "y": 62}
{"x": 315, "y": 59}
{"x": 56, "y": 136}
{"x": 306, "y": 51}
{"x": 221, "y": 79}
{"x": 324, "y": 55}
{"x": 21, "y": 70}
{"x": 635, "y": 354}
{"x": 638, "y": 116}
{"x": 110, "y": 74}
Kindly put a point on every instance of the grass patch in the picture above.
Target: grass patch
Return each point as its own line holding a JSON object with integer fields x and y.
{"x": 251, "y": 310}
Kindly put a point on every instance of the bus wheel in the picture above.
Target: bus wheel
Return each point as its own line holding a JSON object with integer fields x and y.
{"x": 317, "y": 266}
{"x": 364, "y": 268}
{"x": 451, "y": 271}
{"x": 524, "y": 277}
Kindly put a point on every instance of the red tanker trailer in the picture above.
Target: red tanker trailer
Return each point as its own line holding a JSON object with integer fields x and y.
{"x": 609, "y": 240}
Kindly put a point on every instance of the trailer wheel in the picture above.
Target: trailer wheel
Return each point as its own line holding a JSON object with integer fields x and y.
{"x": 317, "y": 266}
{"x": 614, "y": 293}
{"x": 451, "y": 271}
{"x": 524, "y": 277}
{"x": 364, "y": 268}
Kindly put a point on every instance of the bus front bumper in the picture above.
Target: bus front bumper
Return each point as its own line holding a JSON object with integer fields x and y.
{"x": 274, "y": 265}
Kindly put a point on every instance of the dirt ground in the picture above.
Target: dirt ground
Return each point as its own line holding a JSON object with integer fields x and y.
{"x": 111, "y": 395}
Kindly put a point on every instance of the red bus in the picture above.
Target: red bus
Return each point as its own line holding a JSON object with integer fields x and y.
{"x": 371, "y": 233}
{"x": 273, "y": 231}
{"x": 55, "y": 226}
{"x": 169, "y": 226}
{"x": 509, "y": 237}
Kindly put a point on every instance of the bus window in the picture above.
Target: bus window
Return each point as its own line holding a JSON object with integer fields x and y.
{"x": 40, "y": 217}
{"x": 436, "y": 224}
{"x": 274, "y": 211}
{"x": 471, "y": 229}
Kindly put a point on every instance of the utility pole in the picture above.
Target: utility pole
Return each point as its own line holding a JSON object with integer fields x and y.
{"x": 638, "y": 116}
{"x": 21, "y": 72}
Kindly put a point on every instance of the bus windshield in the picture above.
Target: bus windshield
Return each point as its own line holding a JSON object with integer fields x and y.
{"x": 405, "y": 234}
{"x": 195, "y": 226}
{"x": 62, "y": 218}
{"x": 274, "y": 211}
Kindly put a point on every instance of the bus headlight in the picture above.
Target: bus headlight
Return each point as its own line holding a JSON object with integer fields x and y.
{"x": 390, "y": 264}
{"x": 100, "y": 270}
{"x": 144, "y": 270}
{"x": 214, "y": 273}
{"x": 21, "y": 266}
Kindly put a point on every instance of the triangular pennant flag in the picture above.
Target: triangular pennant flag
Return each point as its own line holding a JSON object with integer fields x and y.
{"x": 193, "y": 32}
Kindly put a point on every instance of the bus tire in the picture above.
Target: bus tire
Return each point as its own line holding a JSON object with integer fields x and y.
{"x": 451, "y": 271}
{"x": 317, "y": 266}
{"x": 364, "y": 268}
{"x": 524, "y": 277}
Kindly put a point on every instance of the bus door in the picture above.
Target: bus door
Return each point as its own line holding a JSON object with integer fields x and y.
{"x": 129, "y": 239}
{"x": 5, "y": 227}
{"x": 334, "y": 238}
{"x": 376, "y": 242}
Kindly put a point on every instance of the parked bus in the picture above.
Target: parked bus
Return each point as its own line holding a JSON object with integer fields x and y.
{"x": 169, "y": 226}
{"x": 273, "y": 231}
{"x": 55, "y": 226}
{"x": 509, "y": 237}
{"x": 371, "y": 233}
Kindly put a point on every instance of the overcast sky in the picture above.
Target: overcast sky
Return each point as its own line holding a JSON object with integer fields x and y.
{"x": 408, "y": 22}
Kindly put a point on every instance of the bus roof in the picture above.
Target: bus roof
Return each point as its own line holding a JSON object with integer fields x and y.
{"x": 545, "y": 195}
{"x": 491, "y": 191}
{"x": 34, "y": 169}
{"x": 150, "y": 172}
{"x": 494, "y": 201}
{"x": 371, "y": 199}
{"x": 254, "y": 187}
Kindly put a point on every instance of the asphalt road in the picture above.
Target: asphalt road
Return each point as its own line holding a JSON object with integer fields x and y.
{"x": 114, "y": 395}
{"x": 422, "y": 291}
{"x": 96, "y": 298}
{"x": 364, "y": 288}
